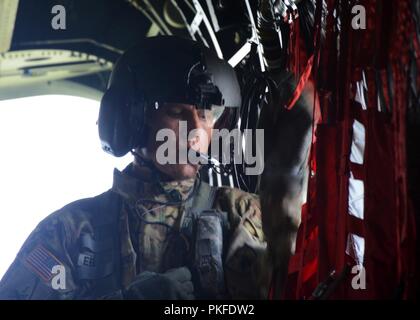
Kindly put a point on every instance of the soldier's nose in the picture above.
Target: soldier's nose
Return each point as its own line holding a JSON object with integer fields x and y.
{"x": 193, "y": 138}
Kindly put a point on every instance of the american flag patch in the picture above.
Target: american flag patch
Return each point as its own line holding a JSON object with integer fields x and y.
{"x": 41, "y": 261}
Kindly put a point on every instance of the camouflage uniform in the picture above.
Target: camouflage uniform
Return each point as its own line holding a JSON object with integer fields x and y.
{"x": 143, "y": 246}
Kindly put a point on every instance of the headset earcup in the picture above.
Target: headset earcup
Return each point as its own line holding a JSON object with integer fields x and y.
{"x": 138, "y": 123}
{"x": 114, "y": 123}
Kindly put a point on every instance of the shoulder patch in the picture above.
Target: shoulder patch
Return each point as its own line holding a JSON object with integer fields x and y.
{"x": 41, "y": 261}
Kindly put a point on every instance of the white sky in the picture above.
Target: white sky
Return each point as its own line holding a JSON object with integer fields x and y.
{"x": 50, "y": 155}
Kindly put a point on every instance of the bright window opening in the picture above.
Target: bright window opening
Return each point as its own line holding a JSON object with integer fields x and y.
{"x": 50, "y": 156}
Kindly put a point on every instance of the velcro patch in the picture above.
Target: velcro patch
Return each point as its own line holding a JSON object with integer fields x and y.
{"x": 42, "y": 261}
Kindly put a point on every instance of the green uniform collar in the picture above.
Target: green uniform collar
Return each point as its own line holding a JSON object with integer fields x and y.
{"x": 132, "y": 187}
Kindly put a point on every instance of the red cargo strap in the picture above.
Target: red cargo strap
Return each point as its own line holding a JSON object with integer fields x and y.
{"x": 301, "y": 84}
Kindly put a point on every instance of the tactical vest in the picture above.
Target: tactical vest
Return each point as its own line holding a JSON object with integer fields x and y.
{"x": 200, "y": 242}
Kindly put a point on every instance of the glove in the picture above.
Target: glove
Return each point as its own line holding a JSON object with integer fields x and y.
{"x": 174, "y": 284}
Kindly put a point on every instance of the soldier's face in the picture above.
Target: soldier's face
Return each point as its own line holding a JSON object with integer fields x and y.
{"x": 188, "y": 127}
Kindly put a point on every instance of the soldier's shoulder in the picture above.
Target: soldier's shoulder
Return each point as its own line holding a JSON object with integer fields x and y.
{"x": 242, "y": 208}
{"x": 54, "y": 242}
{"x": 84, "y": 208}
{"x": 234, "y": 198}
{"x": 66, "y": 223}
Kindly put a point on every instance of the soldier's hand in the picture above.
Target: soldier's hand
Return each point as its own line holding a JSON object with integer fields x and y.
{"x": 174, "y": 284}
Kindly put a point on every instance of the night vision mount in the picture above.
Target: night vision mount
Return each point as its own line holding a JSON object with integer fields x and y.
{"x": 202, "y": 90}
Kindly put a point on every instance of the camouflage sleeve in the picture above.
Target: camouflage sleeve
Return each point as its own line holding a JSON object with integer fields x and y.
{"x": 43, "y": 268}
{"x": 247, "y": 271}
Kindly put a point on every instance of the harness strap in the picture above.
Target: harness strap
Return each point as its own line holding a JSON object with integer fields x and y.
{"x": 205, "y": 229}
{"x": 203, "y": 200}
{"x": 99, "y": 256}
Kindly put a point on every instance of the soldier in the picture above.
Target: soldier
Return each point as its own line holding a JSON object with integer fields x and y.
{"x": 159, "y": 232}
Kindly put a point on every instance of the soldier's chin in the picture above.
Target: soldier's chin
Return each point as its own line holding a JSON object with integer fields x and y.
{"x": 180, "y": 171}
{"x": 188, "y": 171}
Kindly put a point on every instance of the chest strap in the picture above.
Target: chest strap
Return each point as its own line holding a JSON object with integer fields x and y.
{"x": 206, "y": 230}
{"x": 99, "y": 253}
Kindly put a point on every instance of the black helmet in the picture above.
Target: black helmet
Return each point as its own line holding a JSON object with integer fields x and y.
{"x": 158, "y": 70}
